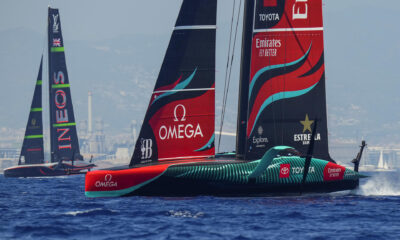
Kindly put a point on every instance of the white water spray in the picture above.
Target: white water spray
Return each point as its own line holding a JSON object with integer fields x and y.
{"x": 381, "y": 184}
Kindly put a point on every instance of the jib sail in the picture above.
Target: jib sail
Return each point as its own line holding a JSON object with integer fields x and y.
{"x": 32, "y": 146}
{"x": 179, "y": 122}
{"x": 63, "y": 135}
{"x": 287, "y": 81}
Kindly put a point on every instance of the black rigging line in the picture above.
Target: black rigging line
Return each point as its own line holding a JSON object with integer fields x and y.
{"x": 228, "y": 70}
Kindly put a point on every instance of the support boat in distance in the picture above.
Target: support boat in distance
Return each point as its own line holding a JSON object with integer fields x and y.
{"x": 282, "y": 137}
{"x": 65, "y": 155}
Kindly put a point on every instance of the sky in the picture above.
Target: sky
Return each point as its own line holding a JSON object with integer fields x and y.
{"x": 362, "y": 50}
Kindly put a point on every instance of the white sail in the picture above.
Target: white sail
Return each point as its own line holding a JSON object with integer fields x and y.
{"x": 381, "y": 162}
{"x": 385, "y": 166}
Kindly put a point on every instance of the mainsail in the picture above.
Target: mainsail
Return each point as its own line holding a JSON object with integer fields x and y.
{"x": 287, "y": 78}
{"x": 63, "y": 134}
{"x": 32, "y": 147}
{"x": 179, "y": 122}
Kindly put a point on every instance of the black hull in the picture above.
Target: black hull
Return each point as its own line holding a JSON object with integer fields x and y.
{"x": 44, "y": 171}
{"x": 165, "y": 186}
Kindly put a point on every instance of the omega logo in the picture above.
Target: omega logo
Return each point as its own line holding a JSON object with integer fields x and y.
{"x": 180, "y": 131}
{"x": 180, "y": 106}
{"x": 107, "y": 182}
{"x": 108, "y": 177}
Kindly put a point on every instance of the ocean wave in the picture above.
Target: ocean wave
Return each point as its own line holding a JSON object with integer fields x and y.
{"x": 91, "y": 212}
{"x": 184, "y": 214}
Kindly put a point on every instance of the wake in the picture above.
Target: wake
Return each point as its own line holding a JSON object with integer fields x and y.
{"x": 381, "y": 184}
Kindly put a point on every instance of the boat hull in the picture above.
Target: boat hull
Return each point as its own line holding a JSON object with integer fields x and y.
{"x": 165, "y": 186}
{"x": 47, "y": 170}
{"x": 222, "y": 178}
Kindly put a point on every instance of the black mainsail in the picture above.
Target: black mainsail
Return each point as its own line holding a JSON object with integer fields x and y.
{"x": 32, "y": 147}
{"x": 63, "y": 134}
{"x": 286, "y": 94}
{"x": 181, "y": 111}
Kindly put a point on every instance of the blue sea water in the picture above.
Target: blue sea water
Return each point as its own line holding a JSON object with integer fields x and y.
{"x": 56, "y": 208}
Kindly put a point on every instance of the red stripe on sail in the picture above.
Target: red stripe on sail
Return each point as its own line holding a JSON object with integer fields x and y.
{"x": 34, "y": 149}
{"x": 169, "y": 87}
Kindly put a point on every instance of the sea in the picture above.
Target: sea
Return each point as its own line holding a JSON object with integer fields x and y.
{"x": 56, "y": 208}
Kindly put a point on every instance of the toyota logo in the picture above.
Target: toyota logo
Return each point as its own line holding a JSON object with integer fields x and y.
{"x": 108, "y": 178}
{"x": 285, "y": 170}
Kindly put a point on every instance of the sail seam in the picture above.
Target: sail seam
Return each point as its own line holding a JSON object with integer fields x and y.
{"x": 288, "y": 29}
{"x": 195, "y": 27}
{"x": 184, "y": 90}
{"x": 60, "y": 86}
{"x": 33, "y": 136}
{"x": 57, "y": 49}
{"x": 64, "y": 124}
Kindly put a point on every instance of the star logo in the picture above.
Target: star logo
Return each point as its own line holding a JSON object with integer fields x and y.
{"x": 307, "y": 124}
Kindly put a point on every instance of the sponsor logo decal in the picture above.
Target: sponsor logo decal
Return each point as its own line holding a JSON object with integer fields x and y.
{"x": 270, "y": 3}
{"x": 60, "y": 100}
{"x": 33, "y": 124}
{"x": 333, "y": 172}
{"x": 260, "y": 142}
{"x": 300, "y": 9}
{"x": 268, "y": 17}
{"x": 180, "y": 130}
{"x": 107, "y": 183}
{"x": 305, "y": 136}
{"x": 260, "y": 130}
{"x": 146, "y": 148}
{"x": 284, "y": 171}
{"x": 183, "y": 115}
{"x": 56, "y": 42}
{"x": 267, "y": 47}
{"x": 300, "y": 170}
{"x": 55, "y": 23}
{"x": 307, "y": 124}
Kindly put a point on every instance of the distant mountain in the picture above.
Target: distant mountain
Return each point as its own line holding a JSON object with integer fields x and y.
{"x": 362, "y": 85}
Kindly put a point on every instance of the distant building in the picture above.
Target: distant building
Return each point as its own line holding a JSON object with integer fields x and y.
{"x": 92, "y": 140}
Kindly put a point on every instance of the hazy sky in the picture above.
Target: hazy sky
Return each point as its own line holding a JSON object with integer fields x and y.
{"x": 362, "y": 47}
{"x": 101, "y": 19}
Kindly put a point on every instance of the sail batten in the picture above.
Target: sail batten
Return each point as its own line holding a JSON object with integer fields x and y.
{"x": 184, "y": 90}
{"x": 195, "y": 27}
{"x": 289, "y": 29}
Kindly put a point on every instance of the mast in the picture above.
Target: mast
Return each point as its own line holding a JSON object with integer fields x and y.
{"x": 244, "y": 78}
